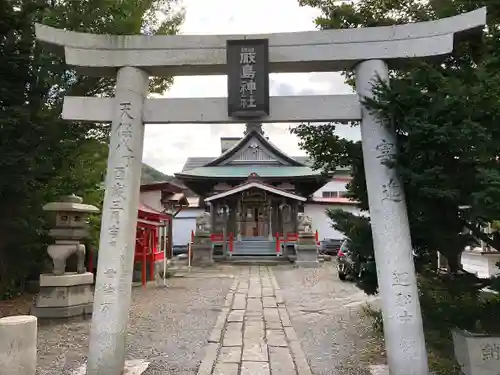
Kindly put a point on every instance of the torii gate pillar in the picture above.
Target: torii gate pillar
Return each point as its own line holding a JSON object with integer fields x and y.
{"x": 113, "y": 285}
{"x": 404, "y": 335}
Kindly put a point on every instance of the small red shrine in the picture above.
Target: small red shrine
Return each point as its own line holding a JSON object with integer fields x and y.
{"x": 153, "y": 245}
{"x": 154, "y": 228}
{"x": 153, "y": 240}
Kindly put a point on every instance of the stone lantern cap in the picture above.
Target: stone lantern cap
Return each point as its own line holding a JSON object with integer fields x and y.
{"x": 70, "y": 203}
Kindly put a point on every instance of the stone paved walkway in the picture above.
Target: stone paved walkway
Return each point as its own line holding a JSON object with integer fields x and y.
{"x": 231, "y": 320}
{"x": 253, "y": 334}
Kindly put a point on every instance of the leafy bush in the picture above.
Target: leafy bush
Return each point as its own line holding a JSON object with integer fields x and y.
{"x": 495, "y": 282}
{"x": 448, "y": 303}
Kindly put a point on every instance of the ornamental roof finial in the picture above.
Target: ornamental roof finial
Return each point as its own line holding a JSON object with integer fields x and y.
{"x": 253, "y": 126}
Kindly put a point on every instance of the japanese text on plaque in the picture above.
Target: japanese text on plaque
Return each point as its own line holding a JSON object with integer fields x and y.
{"x": 247, "y": 77}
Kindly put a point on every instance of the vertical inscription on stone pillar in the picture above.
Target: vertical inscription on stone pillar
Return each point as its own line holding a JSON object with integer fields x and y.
{"x": 123, "y": 157}
{"x": 404, "y": 298}
{"x": 386, "y": 154}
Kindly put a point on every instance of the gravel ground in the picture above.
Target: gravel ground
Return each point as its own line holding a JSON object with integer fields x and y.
{"x": 169, "y": 327}
{"x": 325, "y": 313}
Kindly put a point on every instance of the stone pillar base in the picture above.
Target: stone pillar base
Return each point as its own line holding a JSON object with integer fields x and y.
{"x": 18, "y": 345}
{"x": 64, "y": 296}
{"x": 202, "y": 255}
{"x": 202, "y": 249}
{"x": 307, "y": 256}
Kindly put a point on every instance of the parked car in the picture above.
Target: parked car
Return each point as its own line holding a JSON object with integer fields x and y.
{"x": 350, "y": 267}
{"x": 330, "y": 246}
{"x": 345, "y": 263}
{"x": 179, "y": 250}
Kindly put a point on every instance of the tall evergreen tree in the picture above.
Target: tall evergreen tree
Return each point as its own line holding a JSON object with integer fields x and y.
{"x": 44, "y": 157}
{"x": 446, "y": 118}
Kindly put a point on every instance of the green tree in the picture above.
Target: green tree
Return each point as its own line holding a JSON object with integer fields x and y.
{"x": 44, "y": 157}
{"x": 446, "y": 117}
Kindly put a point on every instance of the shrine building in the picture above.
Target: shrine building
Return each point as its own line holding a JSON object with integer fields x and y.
{"x": 254, "y": 192}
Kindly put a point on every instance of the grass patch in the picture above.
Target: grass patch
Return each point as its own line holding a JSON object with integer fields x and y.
{"x": 374, "y": 351}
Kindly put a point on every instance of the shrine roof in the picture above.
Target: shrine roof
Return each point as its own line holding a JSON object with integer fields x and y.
{"x": 243, "y": 171}
{"x": 144, "y": 208}
{"x": 259, "y": 185}
{"x": 266, "y": 143}
{"x": 200, "y": 161}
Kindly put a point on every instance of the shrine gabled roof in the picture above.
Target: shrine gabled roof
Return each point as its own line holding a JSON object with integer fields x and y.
{"x": 193, "y": 162}
{"x": 144, "y": 208}
{"x": 243, "y": 171}
{"x": 263, "y": 140}
{"x": 255, "y": 184}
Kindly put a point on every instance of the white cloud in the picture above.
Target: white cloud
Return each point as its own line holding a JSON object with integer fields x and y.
{"x": 167, "y": 146}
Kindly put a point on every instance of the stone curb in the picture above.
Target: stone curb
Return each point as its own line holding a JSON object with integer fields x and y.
{"x": 212, "y": 349}
{"x": 299, "y": 357}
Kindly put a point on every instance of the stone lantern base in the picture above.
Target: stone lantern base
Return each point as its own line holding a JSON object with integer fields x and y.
{"x": 202, "y": 250}
{"x": 307, "y": 251}
{"x": 64, "y": 296}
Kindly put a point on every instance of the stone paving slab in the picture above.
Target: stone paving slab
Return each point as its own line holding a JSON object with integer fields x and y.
{"x": 276, "y": 337}
{"x": 255, "y": 368}
{"x": 236, "y": 316}
{"x": 226, "y": 369}
{"x": 230, "y": 354}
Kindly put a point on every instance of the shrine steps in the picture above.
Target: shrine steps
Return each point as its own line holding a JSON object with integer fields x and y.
{"x": 254, "y": 247}
{"x": 255, "y": 260}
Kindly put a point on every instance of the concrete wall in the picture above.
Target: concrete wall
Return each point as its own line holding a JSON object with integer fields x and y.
{"x": 183, "y": 224}
{"x": 320, "y": 220}
{"x": 331, "y": 186}
{"x": 483, "y": 265}
{"x": 152, "y": 199}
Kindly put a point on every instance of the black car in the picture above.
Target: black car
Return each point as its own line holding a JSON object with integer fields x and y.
{"x": 330, "y": 246}
{"x": 353, "y": 266}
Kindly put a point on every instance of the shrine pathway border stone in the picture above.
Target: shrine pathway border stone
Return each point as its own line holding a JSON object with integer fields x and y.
{"x": 253, "y": 334}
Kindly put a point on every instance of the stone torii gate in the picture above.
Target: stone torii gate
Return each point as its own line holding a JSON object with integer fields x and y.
{"x": 133, "y": 59}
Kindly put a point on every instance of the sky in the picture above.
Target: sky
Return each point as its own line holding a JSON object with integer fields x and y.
{"x": 167, "y": 146}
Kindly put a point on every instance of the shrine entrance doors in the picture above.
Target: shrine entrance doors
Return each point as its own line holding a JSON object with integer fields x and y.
{"x": 255, "y": 220}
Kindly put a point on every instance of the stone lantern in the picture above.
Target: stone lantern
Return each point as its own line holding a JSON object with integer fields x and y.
{"x": 306, "y": 248}
{"x": 202, "y": 246}
{"x": 66, "y": 294}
